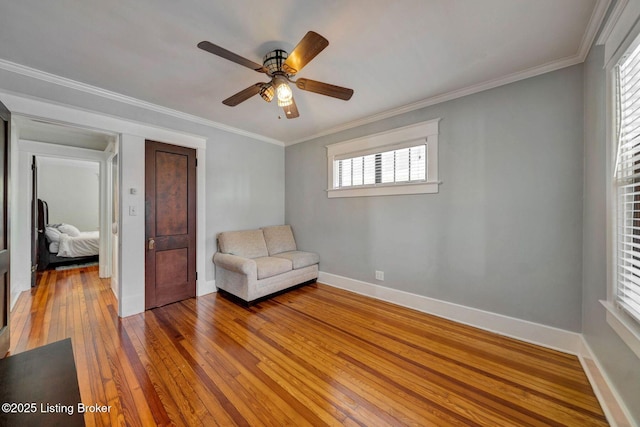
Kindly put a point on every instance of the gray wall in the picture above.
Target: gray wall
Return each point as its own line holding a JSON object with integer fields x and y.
{"x": 620, "y": 363}
{"x": 505, "y": 232}
{"x": 72, "y": 192}
{"x": 245, "y": 187}
{"x": 244, "y": 177}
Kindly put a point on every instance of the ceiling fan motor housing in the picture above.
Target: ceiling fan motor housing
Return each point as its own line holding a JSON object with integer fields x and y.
{"x": 273, "y": 61}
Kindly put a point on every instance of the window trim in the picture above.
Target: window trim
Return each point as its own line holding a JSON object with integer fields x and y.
{"x": 415, "y": 134}
{"x": 627, "y": 328}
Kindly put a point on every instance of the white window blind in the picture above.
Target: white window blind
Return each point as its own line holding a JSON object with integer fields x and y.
{"x": 401, "y": 165}
{"x": 627, "y": 182}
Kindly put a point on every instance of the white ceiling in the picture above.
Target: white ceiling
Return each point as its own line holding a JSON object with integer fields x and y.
{"x": 396, "y": 55}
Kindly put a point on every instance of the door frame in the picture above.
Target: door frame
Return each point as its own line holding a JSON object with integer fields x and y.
{"x": 130, "y": 276}
{"x": 35, "y": 249}
{"x": 5, "y": 337}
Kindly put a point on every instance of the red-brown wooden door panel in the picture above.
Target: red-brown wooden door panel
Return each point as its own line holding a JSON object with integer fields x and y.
{"x": 170, "y": 199}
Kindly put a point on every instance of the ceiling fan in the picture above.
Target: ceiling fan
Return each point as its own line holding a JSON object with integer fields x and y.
{"x": 281, "y": 67}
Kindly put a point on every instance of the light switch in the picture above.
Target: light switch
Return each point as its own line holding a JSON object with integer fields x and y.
{"x": 133, "y": 211}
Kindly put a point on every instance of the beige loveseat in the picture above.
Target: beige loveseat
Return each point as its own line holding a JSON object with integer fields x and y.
{"x": 254, "y": 264}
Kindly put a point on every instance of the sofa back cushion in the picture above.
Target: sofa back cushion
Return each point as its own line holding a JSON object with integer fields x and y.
{"x": 279, "y": 239}
{"x": 247, "y": 244}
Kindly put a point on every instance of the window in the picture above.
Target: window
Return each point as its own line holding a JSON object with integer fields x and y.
{"x": 393, "y": 166}
{"x": 400, "y": 161}
{"x": 622, "y": 59}
{"x": 627, "y": 184}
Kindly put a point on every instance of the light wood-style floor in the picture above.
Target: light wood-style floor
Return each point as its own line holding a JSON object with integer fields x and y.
{"x": 314, "y": 356}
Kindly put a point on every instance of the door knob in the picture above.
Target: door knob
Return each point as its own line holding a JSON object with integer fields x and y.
{"x": 152, "y": 244}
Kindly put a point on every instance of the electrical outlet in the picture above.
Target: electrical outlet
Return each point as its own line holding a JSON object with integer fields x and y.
{"x": 380, "y": 275}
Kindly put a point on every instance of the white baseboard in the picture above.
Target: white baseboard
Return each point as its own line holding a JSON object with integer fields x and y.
{"x": 114, "y": 285}
{"x": 17, "y": 288}
{"x": 613, "y": 406}
{"x": 207, "y": 287}
{"x": 135, "y": 304}
{"x": 523, "y": 330}
{"x": 14, "y": 299}
{"x": 569, "y": 342}
{"x": 131, "y": 305}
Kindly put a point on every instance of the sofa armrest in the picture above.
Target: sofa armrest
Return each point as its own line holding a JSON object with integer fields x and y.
{"x": 236, "y": 263}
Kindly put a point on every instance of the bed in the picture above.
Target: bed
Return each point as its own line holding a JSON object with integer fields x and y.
{"x": 63, "y": 244}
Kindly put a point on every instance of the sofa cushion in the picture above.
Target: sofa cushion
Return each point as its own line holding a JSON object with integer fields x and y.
{"x": 271, "y": 266}
{"x": 299, "y": 259}
{"x": 248, "y": 243}
{"x": 279, "y": 239}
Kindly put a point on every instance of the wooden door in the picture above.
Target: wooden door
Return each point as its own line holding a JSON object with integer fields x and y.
{"x": 5, "y": 290}
{"x": 170, "y": 209}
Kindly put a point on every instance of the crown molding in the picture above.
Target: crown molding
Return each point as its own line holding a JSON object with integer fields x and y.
{"x": 595, "y": 21}
{"x": 114, "y": 96}
{"x": 449, "y": 96}
{"x": 612, "y": 21}
{"x": 588, "y": 37}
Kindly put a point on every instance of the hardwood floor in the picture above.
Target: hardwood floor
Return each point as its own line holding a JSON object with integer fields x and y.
{"x": 314, "y": 356}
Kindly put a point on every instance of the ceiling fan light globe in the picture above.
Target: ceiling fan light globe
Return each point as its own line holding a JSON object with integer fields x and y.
{"x": 284, "y": 92}
{"x": 285, "y": 103}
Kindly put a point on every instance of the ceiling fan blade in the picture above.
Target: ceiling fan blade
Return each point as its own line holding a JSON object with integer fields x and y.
{"x": 226, "y": 54}
{"x": 325, "y": 89}
{"x": 310, "y": 46}
{"x": 291, "y": 111}
{"x": 243, "y": 95}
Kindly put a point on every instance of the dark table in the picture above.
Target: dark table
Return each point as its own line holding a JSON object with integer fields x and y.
{"x": 39, "y": 387}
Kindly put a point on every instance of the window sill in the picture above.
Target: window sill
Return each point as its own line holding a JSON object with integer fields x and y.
{"x": 626, "y": 328}
{"x": 385, "y": 190}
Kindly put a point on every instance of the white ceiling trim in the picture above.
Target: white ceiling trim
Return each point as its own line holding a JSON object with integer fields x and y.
{"x": 595, "y": 22}
{"x": 449, "y": 96}
{"x": 611, "y": 22}
{"x": 66, "y": 115}
{"x": 94, "y": 90}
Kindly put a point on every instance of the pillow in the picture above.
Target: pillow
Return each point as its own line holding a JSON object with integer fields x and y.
{"x": 247, "y": 243}
{"x": 53, "y": 234}
{"x": 69, "y": 229}
{"x": 279, "y": 239}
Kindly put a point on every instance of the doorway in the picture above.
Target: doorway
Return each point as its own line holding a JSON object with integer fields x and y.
{"x": 129, "y": 139}
{"x": 66, "y": 207}
{"x": 63, "y": 145}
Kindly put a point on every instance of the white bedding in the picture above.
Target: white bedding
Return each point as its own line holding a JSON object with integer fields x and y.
{"x": 86, "y": 244}
{"x": 54, "y": 247}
